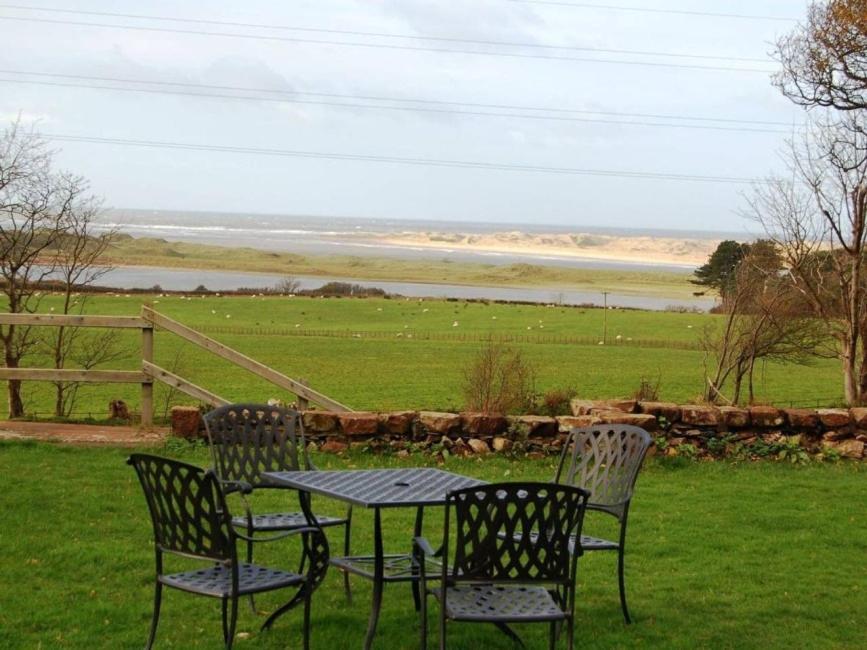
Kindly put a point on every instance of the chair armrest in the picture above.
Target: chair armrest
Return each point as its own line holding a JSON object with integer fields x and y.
{"x": 421, "y": 544}
{"x": 230, "y": 487}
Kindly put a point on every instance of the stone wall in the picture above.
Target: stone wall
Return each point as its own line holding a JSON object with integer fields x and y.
{"x": 690, "y": 429}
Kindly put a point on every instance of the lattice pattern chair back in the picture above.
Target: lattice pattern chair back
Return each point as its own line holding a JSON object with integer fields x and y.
{"x": 493, "y": 525}
{"x": 249, "y": 439}
{"x": 605, "y": 461}
{"x": 187, "y": 507}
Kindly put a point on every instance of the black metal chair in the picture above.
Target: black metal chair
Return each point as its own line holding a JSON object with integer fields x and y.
{"x": 191, "y": 519}
{"x": 605, "y": 460}
{"x": 500, "y": 573}
{"x": 249, "y": 439}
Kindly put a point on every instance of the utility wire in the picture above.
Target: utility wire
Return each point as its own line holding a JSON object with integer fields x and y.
{"x": 410, "y": 100}
{"x": 349, "y": 32}
{"x": 428, "y": 162}
{"x": 387, "y": 46}
{"x": 680, "y": 12}
{"x": 416, "y": 109}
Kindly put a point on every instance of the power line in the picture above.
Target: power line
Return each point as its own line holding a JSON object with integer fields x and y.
{"x": 411, "y": 100}
{"x": 387, "y": 46}
{"x": 428, "y": 162}
{"x": 417, "y": 109}
{"x": 416, "y": 37}
{"x": 681, "y": 12}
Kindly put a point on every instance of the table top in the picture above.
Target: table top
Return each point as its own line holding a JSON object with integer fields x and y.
{"x": 378, "y": 488}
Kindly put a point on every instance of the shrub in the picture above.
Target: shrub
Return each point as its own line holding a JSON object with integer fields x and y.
{"x": 556, "y": 401}
{"x": 499, "y": 380}
{"x": 648, "y": 391}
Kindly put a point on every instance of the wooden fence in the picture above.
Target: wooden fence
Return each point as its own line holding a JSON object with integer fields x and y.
{"x": 150, "y": 372}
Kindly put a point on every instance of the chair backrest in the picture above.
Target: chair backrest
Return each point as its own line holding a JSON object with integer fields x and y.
{"x": 249, "y": 439}
{"x": 604, "y": 460}
{"x": 187, "y": 506}
{"x": 493, "y": 526}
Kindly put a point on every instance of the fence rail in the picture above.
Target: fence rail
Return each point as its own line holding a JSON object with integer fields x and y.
{"x": 150, "y": 372}
{"x": 469, "y": 337}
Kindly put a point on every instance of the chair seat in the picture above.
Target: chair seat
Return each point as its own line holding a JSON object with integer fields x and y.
{"x": 283, "y": 521}
{"x": 217, "y": 580}
{"x": 503, "y": 603}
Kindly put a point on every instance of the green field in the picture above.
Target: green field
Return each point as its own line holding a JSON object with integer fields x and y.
{"x": 759, "y": 555}
{"x": 398, "y": 353}
{"x": 159, "y": 252}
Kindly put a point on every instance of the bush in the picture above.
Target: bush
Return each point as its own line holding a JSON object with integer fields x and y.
{"x": 557, "y": 402}
{"x": 648, "y": 391}
{"x": 499, "y": 380}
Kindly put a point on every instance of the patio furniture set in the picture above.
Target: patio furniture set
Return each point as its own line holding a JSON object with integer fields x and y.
{"x": 508, "y": 551}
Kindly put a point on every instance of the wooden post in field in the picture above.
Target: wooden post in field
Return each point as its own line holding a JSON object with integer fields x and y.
{"x": 302, "y": 402}
{"x": 147, "y": 388}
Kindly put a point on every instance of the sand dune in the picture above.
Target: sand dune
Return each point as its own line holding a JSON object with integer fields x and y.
{"x": 642, "y": 249}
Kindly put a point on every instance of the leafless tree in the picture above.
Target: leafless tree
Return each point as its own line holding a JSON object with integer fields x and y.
{"x": 79, "y": 250}
{"x": 288, "y": 285}
{"x": 817, "y": 215}
{"x": 824, "y": 61}
{"x": 33, "y": 206}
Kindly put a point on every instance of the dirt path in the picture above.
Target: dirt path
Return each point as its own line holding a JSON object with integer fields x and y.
{"x": 81, "y": 434}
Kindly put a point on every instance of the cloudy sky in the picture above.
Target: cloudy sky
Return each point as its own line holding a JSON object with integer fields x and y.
{"x": 599, "y": 72}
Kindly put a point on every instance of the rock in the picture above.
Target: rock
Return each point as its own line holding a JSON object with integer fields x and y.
{"x": 834, "y": 418}
{"x": 333, "y": 446}
{"x": 699, "y": 415}
{"x": 861, "y": 437}
{"x": 319, "y": 421}
{"x": 645, "y": 421}
{"x": 479, "y": 447}
{"x": 403, "y": 453}
{"x": 359, "y": 423}
{"x": 692, "y": 433}
{"x": 460, "y": 448}
{"x": 569, "y": 422}
{"x": 668, "y": 410}
{"x": 186, "y": 422}
{"x": 483, "y": 424}
{"x": 436, "y": 422}
{"x": 859, "y": 417}
{"x": 623, "y": 405}
{"x": 767, "y": 417}
{"x": 733, "y": 417}
{"x": 501, "y": 444}
{"x": 581, "y": 406}
{"x": 802, "y": 418}
{"x": 540, "y": 426}
{"x": 849, "y": 448}
{"x": 772, "y": 437}
{"x": 676, "y": 442}
{"x": 833, "y": 436}
{"x": 398, "y": 423}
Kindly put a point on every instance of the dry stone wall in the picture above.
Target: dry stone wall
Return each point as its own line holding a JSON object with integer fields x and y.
{"x": 679, "y": 429}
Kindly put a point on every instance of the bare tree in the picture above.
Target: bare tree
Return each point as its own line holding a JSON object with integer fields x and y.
{"x": 80, "y": 248}
{"x": 288, "y": 285}
{"x": 33, "y": 206}
{"x": 818, "y": 218}
{"x": 824, "y": 61}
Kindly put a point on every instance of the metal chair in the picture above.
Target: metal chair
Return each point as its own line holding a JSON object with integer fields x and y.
{"x": 191, "y": 519}
{"x": 604, "y": 460}
{"x": 499, "y": 573}
{"x": 249, "y": 439}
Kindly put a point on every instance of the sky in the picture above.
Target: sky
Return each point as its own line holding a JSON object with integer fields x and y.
{"x": 281, "y": 63}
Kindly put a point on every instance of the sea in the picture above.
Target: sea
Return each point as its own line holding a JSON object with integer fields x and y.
{"x": 360, "y": 236}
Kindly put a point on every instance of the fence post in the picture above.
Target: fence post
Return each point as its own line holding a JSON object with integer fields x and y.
{"x": 302, "y": 402}
{"x": 147, "y": 388}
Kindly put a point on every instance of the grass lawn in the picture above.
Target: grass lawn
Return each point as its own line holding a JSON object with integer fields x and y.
{"x": 373, "y": 354}
{"x": 721, "y": 556}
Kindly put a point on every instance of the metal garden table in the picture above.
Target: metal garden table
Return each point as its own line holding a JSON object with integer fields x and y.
{"x": 377, "y": 489}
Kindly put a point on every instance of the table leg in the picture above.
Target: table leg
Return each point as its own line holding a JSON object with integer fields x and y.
{"x": 416, "y": 594}
{"x": 378, "y": 580}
